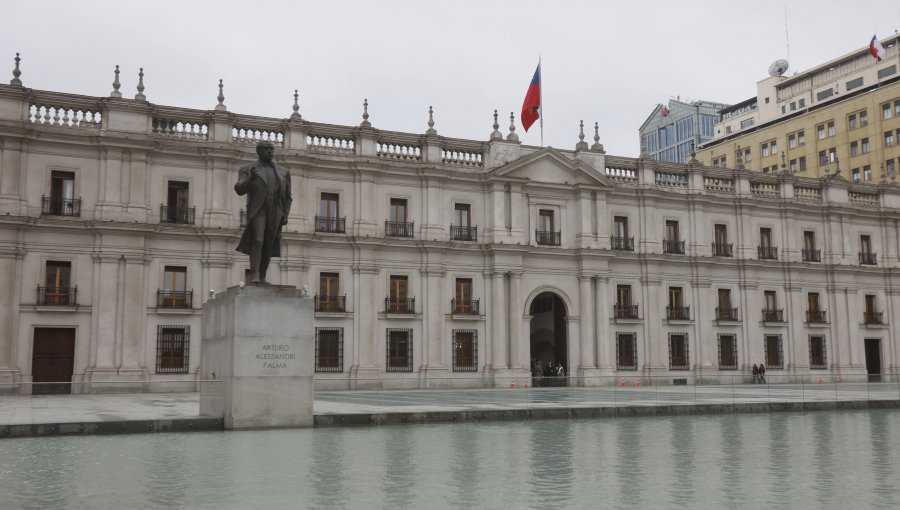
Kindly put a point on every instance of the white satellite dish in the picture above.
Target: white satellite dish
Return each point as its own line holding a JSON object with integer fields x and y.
{"x": 778, "y": 68}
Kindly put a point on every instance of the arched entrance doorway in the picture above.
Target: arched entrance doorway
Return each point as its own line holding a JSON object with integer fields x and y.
{"x": 549, "y": 349}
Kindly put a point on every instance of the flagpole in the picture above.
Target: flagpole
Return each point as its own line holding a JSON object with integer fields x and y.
{"x": 541, "y": 97}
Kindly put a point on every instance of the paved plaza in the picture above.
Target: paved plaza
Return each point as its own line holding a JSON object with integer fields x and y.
{"x": 22, "y": 415}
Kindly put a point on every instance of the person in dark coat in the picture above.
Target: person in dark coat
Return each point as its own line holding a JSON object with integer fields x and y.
{"x": 762, "y": 374}
{"x": 268, "y": 190}
{"x": 755, "y": 373}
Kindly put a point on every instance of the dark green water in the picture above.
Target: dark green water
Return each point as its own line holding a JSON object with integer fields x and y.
{"x": 843, "y": 460}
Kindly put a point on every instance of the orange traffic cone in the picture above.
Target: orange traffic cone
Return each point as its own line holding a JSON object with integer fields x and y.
{"x": 512, "y": 385}
{"x": 622, "y": 382}
{"x": 637, "y": 382}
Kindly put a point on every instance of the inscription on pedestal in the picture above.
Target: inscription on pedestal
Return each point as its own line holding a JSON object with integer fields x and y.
{"x": 275, "y": 356}
{"x": 265, "y": 357}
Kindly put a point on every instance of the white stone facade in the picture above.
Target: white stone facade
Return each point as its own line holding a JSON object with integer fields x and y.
{"x": 121, "y": 159}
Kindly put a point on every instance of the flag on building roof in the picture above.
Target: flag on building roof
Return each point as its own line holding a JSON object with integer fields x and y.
{"x": 665, "y": 111}
{"x": 876, "y": 49}
{"x": 532, "y": 104}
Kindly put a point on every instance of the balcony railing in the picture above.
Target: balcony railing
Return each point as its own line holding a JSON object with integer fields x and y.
{"x": 182, "y": 216}
{"x": 726, "y": 314}
{"x": 399, "y": 305}
{"x": 873, "y": 317}
{"x": 398, "y": 229}
{"x": 680, "y": 313}
{"x": 53, "y": 206}
{"x": 621, "y": 243}
{"x": 57, "y": 296}
{"x": 331, "y": 303}
{"x": 772, "y": 315}
{"x": 867, "y": 258}
{"x": 460, "y": 307}
{"x": 721, "y": 250}
{"x": 816, "y": 317}
{"x": 174, "y": 298}
{"x": 625, "y": 311}
{"x": 812, "y": 255}
{"x": 463, "y": 233}
{"x": 676, "y": 247}
{"x": 547, "y": 238}
{"x": 767, "y": 252}
{"x": 330, "y": 225}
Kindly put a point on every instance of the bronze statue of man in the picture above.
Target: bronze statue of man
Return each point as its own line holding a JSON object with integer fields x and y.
{"x": 268, "y": 190}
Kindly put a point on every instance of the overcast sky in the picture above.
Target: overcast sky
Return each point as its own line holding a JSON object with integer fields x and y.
{"x": 602, "y": 61}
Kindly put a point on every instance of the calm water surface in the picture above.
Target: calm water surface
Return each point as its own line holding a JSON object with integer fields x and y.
{"x": 785, "y": 460}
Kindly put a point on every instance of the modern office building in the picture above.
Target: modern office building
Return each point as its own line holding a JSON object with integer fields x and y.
{"x": 674, "y": 130}
{"x": 431, "y": 260}
{"x": 843, "y": 115}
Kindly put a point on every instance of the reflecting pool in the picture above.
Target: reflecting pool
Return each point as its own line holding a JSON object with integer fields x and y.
{"x": 847, "y": 459}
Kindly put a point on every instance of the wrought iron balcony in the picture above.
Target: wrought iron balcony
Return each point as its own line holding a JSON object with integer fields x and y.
{"x": 330, "y": 225}
{"x": 726, "y": 314}
{"x": 57, "y": 296}
{"x": 54, "y": 206}
{"x": 174, "y": 298}
{"x": 772, "y": 315}
{"x": 812, "y": 255}
{"x": 463, "y": 233}
{"x": 398, "y": 229}
{"x": 867, "y": 258}
{"x": 873, "y": 317}
{"x": 460, "y": 307}
{"x": 182, "y": 216}
{"x": 676, "y": 247}
{"x": 680, "y": 313}
{"x": 621, "y": 243}
{"x": 722, "y": 250}
{"x": 816, "y": 317}
{"x": 331, "y": 303}
{"x": 399, "y": 305}
{"x": 547, "y": 238}
{"x": 768, "y": 252}
{"x": 625, "y": 311}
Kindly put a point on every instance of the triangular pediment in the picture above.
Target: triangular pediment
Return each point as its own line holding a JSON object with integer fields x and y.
{"x": 549, "y": 166}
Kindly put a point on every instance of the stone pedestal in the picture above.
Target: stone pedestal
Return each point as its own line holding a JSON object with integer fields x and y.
{"x": 259, "y": 341}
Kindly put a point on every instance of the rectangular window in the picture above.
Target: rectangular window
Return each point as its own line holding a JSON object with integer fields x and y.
{"x": 57, "y": 290}
{"x": 802, "y": 102}
{"x": 329, "y": 298}
{"x": 792, "y": 141}
{"x": 626, "y": 351}
{"x": 462, "y": 302}
{"x": 398, "y": 210}
{"x": 620, "y": 227}
{"x": 721, "y": 233}
{"x": 887, "y": 71}
{"x": 793, "y": 166}
{"x": 62, "y": 200}
{"x": 770, "y": 299}
{"x": 399, "y": 350}
{"x": 329, "y": 349}
{"x": 398, "y": 224}
{"x": 851, "y": 121}
{"x": 832, "y": 155}
{"x": 672, "y": 231}
{"x": 623, "y": 295}
{"x": 728, "y": 352}
{"x": 823, "y": 158}
{"x": 855, "y": 83}
{"x": 871, "y": 315}
{"x": 174, "y": 293}
{"x": 820, "y": 130}
{"x": 678, "y": 351}
{"x": 774, "y": 352}
{"x": 802, "y": 161}
{"x": 173, "y": 349}
{"x": 863, "y": 118}
{"x": 725, "y": 312}
{"x": 546, "y": 232}
{"x": 465, "y": 350}
{"x": 397, "y": 298}
{"x": 747, "y": 123}
{"x": 867, "y": 172}
{"x": 765, "y": 149}
{"x": 854, "y": 174}
{"x": 676, "y": 309}
{"x": 461, "y": 216}
{"x": 817, "y": 352}
{"x": 888, "y": 138}
{"x": 886, "y": 112}
{"x": 864, "y": 145}
{"x": 831, "y": 128}
{"x": 746, "y": 155}
{"x": 177, "y": 210}
{"x": 793, "y": 106}
{"x": 773, "y": 146}
{"x": 823, "y": 95}
{"x": 854, "y": 148}
{"x": 329, "y": 219}
{"x": 623, "y": 307}
{"x": 801, "y": 138}
{"x": 870, "y": 303}
{"x": 890, "y": 167}
{"x": 814, "y": 312}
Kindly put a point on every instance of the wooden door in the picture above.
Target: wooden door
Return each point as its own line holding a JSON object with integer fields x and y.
{"x": 53, "y": 360}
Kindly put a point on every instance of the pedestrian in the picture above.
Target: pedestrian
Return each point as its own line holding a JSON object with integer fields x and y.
{"x": 762, "y": 374}
{"x": 755, "y": 373}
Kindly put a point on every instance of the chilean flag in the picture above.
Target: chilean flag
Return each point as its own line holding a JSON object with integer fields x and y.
{"x": 532, "y": 104}
{"x": 876, "y": 49}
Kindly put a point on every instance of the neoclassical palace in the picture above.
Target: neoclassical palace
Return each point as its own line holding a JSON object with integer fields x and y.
{"x": 431, "y": 260}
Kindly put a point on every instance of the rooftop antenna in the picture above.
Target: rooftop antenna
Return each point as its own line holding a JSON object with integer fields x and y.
{"x": 787, "y": 41}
